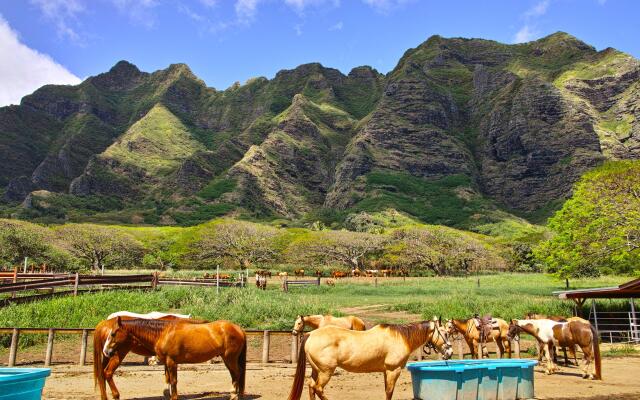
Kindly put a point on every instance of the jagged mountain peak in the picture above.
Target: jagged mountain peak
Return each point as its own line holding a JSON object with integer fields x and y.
{"x": 460, "y": 128}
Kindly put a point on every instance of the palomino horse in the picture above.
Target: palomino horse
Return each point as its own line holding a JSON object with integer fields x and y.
{"x": 383, "y": 348}
{"x": 568, "y": 334}
{"x": 319, "y": 321}
{"x": 179, "y": 342}
{"x": 105, "y": 367}
{"x": 471, "y": 334}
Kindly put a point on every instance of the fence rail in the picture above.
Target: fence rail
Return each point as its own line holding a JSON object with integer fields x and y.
{"x": 459, "y": 345}
{"x": 29, "y": 283}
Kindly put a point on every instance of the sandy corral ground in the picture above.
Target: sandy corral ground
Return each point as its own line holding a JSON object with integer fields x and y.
{"x": 273, "y": 381}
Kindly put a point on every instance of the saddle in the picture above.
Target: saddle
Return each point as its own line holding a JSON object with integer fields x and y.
{"x": 485, "y": 325}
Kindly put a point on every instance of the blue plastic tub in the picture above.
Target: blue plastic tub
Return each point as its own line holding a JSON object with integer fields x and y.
{"x": 22, "y": 383}
{"x": 498, "y": 379}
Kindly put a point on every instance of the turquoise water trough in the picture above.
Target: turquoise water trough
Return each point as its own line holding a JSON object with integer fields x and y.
{"x": 22, "y": 383}
{"x": 502, "y": 379}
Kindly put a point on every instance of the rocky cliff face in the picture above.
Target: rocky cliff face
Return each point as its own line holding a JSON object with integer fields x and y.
{"x": 512, "y": 125}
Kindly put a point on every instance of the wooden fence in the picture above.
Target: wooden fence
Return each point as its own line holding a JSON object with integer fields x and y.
{"x": 302, "y": 282}
{"x": 459, "y": 346}
{"x": 39, "y": 286}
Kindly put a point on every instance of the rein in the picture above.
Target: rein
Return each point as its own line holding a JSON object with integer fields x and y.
{"x": 429, "y": 345}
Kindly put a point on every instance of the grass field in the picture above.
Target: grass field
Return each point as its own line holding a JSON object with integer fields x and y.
{"x": 502, "y": 295}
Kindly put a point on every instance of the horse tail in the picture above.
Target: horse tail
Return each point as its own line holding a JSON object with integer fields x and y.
{"x": 298, "y": 380}
{"x": 242, "y": 365}
{"x": 98, "y": 367}
{"x": 596, "y": 353}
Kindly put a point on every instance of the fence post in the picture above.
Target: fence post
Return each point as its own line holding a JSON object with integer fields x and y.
{"x": 595, "y": 315}
{"x": 75, "y": 284}
{"x": 15, "y": 280}
{"x": 266, "y": 342}
{"x": 49, "y": 354}
{"x": 294, "y": 349}
{"x": 318, "y": 281}
{"x": 13, "y": 351}
{"x": 460, "y": 348}
{"x": 83, "y": 347}
{"x": 217, "y": 279}
{"x": 25, "y": 264}
{"x": 154, "y": 280}
{"x": 633, "y": 322}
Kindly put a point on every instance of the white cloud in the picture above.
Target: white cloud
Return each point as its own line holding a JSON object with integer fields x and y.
{"x": 525, "y": 34}
{"x": 538, "y": 10}
{"x": 300, "y": 5}
{"x": 298, "y": 29}
{"x": 246, "y": 10}
{"x": 209, "y": 3}
{"x": 140, "y": 12}
{"x": 27, "y": 69}
{"x": 385, "y": 6}
{"x": 337, "y": 26}
{"x": 63, "y": 13}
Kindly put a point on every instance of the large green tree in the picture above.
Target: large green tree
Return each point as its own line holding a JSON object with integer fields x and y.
{"x": 598, "y": 229}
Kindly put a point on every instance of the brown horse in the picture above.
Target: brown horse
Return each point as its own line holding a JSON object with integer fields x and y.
{"x": 471, "y": 334}
{"x": 319, "y": 321}
{"x": 383, "y": 348}
{"x": 179, "y": 342}
{"x": 105, "y": 367}
{"x": 550, "y": 333}
{"x": 557, "y": 318}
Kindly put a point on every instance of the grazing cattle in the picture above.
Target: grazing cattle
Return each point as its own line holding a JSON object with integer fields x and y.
{"x": 338, "y": 274}
{"x": 330, "y": 282}
{"x": 319, "y": 273}
{"x": 371, "y": 272}
{"x": 261, "y": 282}
{"x": 264, "y": 272}
{"x": 386, "y": 272}
{"x": 282, "y": 275}
{"x": 298, "y": 272}
{"x": 550, "y": 333}
{"x": 356, "y": 273}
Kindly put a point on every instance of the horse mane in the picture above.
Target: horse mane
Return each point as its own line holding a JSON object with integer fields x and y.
{"x": 413, "y": 334}
{"x": 149, "y": 330}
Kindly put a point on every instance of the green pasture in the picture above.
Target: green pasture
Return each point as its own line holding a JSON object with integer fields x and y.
{"x": 502, "y": 295}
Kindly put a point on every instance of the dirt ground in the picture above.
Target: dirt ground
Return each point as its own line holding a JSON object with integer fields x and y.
{"x": 273, "y": 381}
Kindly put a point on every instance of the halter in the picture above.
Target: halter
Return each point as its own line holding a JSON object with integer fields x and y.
{"x": 431, "y": 346}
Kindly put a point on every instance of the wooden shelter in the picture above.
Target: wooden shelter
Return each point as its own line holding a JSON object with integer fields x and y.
{"x": 623, "y": 324}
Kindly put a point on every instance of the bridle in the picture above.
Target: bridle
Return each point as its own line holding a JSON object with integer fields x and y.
{"x": 430, "y": 345}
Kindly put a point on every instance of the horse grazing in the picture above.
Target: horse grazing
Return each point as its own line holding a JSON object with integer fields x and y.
{"x": 383, "y": 348}
{"x": 178, "y": 342}
{"x": 319, "y": 321}
{"x": 298, "y": 272}
{"x": 550, "y": 333}
{"x": 105, "y": 367}
{"x": 471, "y": 334}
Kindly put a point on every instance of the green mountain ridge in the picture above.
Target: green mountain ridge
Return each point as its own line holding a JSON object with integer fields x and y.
{"x": 461, "y": 132}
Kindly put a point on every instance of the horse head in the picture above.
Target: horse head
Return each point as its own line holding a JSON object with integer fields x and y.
{"x": 298, "y": 326}
{"x": 440, "y": 340}
{"x": 450, "y": 327}
{"x": 514, "y": 329}
{"x": 117, "y": 335}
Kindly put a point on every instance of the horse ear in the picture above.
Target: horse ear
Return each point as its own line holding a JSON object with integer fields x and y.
{"x": 440, "y": 320}
{"x": 118, "y": 322}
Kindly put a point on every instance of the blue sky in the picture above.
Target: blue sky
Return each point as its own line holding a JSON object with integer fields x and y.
{"x": 224, "y": 41}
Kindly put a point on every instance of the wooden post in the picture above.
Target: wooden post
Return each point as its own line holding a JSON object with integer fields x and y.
{"x": 154, "y": 280}
{"x": 217, "y": 279}
{"x": 25, "y": 264}
{"x": 294, "y": 349}
{"x": 266, "y": 342}
{"x": 566, "y": 283}
{"x": 15, "y": 280}
{"x": 83, "y": 347}
{"x": 13, "y": 350}
{"x": 49, "y": 354}
{"x": 478, "y": 282}
{"x": 460, "y": 349}
{"x": 75, "y": 284}
{"x": 318, "y": 281}
{"x": 516, "y": 345}
{"x": 595, "y": 314}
